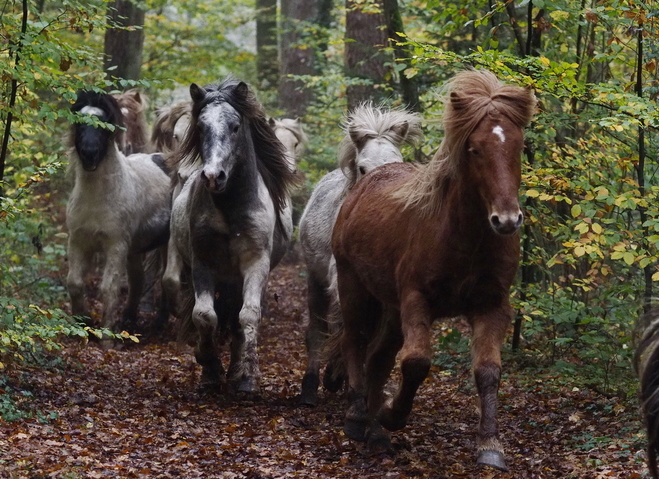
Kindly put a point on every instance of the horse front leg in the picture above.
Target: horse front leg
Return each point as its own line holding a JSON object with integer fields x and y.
{"x": 415, "y": 359}
{"x": 488, "y": 335}
{"x": 75, "y": 280}
{"x": 204, "y": 318}
{"x": 113, "y": 273}
{"x": 244, "y": 370}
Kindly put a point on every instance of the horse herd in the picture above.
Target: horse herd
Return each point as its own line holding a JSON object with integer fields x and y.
{"x": 389, "y": 246}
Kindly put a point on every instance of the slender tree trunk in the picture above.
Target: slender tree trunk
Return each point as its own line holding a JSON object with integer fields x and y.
{"x": 364, "y": 59}
{"x": 123, "y": 46}
{"x": 12, "y": 98}
{"x": 267, "y": 65}
{"x": 640, "y": 171}
{"x": 408, "y": 86}
{"x": 303, "y": 23}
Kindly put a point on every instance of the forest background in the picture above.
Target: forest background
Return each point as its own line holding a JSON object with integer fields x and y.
{"x": 591, "y": 233}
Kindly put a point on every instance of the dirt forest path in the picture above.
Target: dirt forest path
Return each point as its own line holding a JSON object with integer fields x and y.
{"x": 138, "y": 412}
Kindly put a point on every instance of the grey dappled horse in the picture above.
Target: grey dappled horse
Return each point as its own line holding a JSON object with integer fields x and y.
{"x": 231, "y": 224}
{"x": 373, "y": 137}
{"x": 119, "y": 207}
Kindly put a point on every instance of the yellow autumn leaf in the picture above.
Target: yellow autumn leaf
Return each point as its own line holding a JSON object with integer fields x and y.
{"x": 655, "y": 276}
{"x": 576, "y": 211}
{"x": 597, "y": 228}
{"x": 532, "y": 193}
{"x": 579, "y": 251}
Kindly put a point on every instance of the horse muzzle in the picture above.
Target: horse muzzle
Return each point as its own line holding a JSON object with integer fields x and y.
{"x": 506, "y": 223}
{"x": 215, "y": 182}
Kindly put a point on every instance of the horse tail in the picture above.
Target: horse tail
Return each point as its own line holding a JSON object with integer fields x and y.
{"x": 646, "y": 362}
{"x": 335, "y": 371}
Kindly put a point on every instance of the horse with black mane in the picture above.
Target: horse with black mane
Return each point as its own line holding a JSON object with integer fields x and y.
{"x": 414, "y": 243}
{"x": 119, "y": 207}
{"x": 231, "y": 224}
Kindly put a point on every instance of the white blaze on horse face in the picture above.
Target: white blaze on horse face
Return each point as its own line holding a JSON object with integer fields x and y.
{"x": 221, "y": 123}
{"x": 374, "y": 153}
{"x": 92, "y": 110}
{"x": 498, "y": 131}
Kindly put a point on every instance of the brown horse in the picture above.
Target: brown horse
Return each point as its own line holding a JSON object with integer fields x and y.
{"x": 417, "y": 242}
{"x": 133, "y": 104}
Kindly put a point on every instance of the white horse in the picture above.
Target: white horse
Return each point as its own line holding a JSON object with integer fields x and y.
{"x": 231, "y": 224}
{"x": 292, "y": 136}
{"x": 373, "y": 137}
{"x": 119, "y": 207}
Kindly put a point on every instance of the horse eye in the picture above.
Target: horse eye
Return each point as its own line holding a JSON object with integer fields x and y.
{"x": 235, "y": 128}
{"x": 473, "y": 151}
{"x": 296, "y": 143}
{"x": 362, "y": 170}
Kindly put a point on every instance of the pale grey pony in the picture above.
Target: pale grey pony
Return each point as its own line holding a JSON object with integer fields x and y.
{"x": 119, "y": 207}
{"x": 231, "y": 224}
{"x": 374, "y": 136}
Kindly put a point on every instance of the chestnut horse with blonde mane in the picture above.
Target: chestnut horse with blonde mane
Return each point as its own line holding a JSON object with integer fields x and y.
{"x": 418, "y": 242}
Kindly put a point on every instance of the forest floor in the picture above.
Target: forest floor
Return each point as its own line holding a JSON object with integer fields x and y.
{"x": 139, "y": 412}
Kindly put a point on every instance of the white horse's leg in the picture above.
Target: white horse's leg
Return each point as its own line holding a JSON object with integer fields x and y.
{"x": 113, "y": 274}
{"x": 245, "y": 372}
{"x": 135, "y": 269}
{"x": 171, "y": 278}
{"x": 75, "y": 280}
{"x": 204, "y": 318}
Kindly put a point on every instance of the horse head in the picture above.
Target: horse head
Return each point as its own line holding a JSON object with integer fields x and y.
{"x": 493, "y": 157}
{"x": 374, "y": 136}
{"x": 484, "y": 123}
{"x": 290, "y": 133}
{"x": 221, "y": 131}
{"x": 92, "y": 141}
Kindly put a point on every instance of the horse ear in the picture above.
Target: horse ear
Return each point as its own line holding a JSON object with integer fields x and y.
{"x": 242, "y": 90}
{"x": 271, "y": 122}
{"x": 457, "y": 101}
{"x": 401, "y": 130}
{"x": 197, "y": 93}
{"x": 297, "y": 120}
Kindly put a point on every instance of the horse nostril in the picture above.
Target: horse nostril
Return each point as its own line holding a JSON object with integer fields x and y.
{"x": 520, "y": 219}
{"x": 222, "y": 176}
{"x": 494, "y": 219}
{"x": 362, "y": 170}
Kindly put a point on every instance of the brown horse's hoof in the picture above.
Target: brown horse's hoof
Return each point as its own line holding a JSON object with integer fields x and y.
{"x": 493, "y": 459}
{"x": 309, "y": 394}
{"x": 390, "y": 419}
{"x": 355, "y": 429}
{"x": 332, "y": 380}
{"x": 378, "y": 440}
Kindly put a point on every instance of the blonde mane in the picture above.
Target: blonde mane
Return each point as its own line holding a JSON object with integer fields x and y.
{"x": 469, "y": 97}
{"x": 369, "y": 122}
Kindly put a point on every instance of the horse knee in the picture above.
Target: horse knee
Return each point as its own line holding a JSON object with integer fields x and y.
{"x": 204, "y": 319}
{"x": 487, "y": 376}
{"x": 415, "y": 369}
{"x": 249, "y": 318}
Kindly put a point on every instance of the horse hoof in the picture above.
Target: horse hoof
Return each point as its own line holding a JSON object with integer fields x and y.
{"x": 309, "y": 394}
{"x": 248, "y": 385}
{"x": 493, "y": 459}
{"x": 355, "y": 429}
{"x": 378, "y": 440}
{"x": 391, "y": 420}
{"x": 332, "y": 380}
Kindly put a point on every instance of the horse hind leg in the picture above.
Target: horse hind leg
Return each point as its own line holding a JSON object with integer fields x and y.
{"x": 135, "y": 272}
{"x": 488, "y": 335}
{"x": 379, "y": 363}
{"x": 415, "y": 360}
{"x": 360, "y": 311}
{"x": 319, "y": 302}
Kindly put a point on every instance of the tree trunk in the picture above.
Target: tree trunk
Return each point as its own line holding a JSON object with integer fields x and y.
{"x": 267, "y": 67}
{"x": 364, "y": 59}
{"x": 299, "y": 49}
{"x": 123, "y": 46}
{"x": 408, "y": 86}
